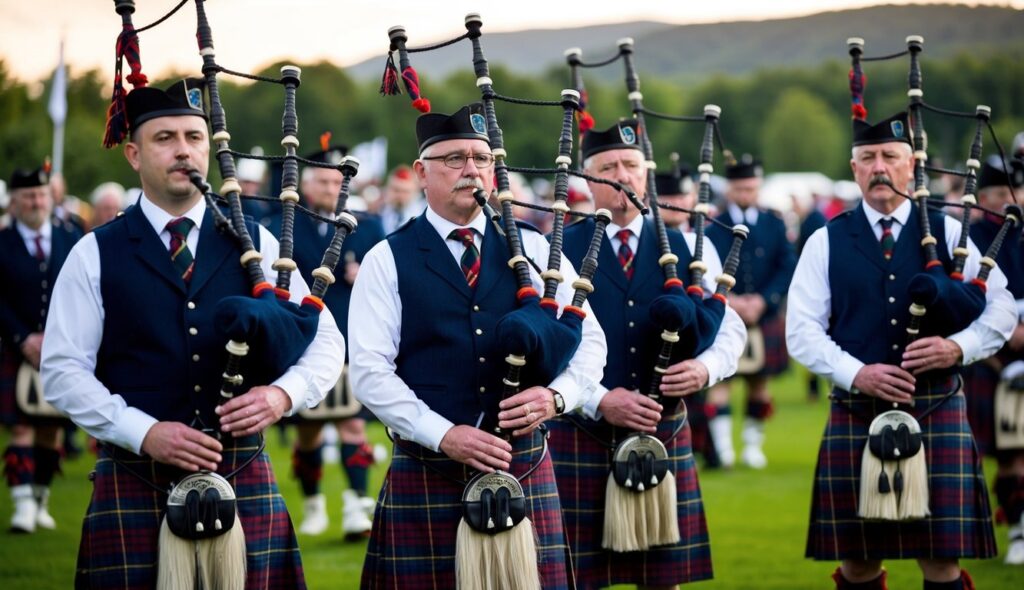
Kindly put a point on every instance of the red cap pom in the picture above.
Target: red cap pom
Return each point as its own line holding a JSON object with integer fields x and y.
{"x": 422, "y": 105}
{"x": 585, "y": 122}
{"x": 859, "y": 112}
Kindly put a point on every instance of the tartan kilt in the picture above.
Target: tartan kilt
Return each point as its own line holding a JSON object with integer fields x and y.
{"x": 9, "y": 365}
{"x": 418, "y": 511}
{"x": 981, "y": 380}
{"x": 776, "y": 356}
{"x": 582, "y": 465}
{"x": 960, "y": 525}
{"x": 119, "y": 535}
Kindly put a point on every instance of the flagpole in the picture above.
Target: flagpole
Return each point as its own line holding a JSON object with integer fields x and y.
{"x": 58, "y": 109}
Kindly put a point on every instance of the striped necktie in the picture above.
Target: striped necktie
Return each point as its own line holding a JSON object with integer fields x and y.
{"x": 888, "y": 240}
{"x": 181, "y": 256}
{"x": 40, "y": 253}
{"x": 625, "y": 252}
{"x": 470, "y": 261}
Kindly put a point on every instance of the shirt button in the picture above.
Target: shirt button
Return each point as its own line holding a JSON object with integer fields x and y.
{"x": 631, "y": 324}
{"x": 476, "y": 308}
{"x": 193, "y": 331}
{"x": 632, "y": 375}
{"x": 197, "y": 388}
{"x": 892, "y": 300}
{"x": 44, "y": 284}
{"x": 195, "y": 357}
{"x": 482, "y": 360}
{"x": 892, "y": 277}
{"x": 483, "y": 390}
{"x": 630, "y": 303}
{"x": 893, "y": 321}
{"x": 632, "y": 349}
{"x": 895, "y": 346}
{"x": 478, "y": 331}
{"x": 44, "y": 297}
{"x": 191, "y": 305}
{"x": 42, "y": 312}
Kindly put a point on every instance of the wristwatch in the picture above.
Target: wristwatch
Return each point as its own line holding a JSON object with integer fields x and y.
{"x": 559, "y": 402}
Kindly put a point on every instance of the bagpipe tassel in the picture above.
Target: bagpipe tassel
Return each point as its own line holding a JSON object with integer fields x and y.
{"x": 877, "y": 502}
{"x": 503, "y": 561}
{"x": 412, "y": 84}
{"x": 389, "y": 85}
{"x": 117, "y": 116}
{"x": 913, "y": 502}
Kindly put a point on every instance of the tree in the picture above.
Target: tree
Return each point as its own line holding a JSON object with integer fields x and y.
{"x": 801, "y": 135}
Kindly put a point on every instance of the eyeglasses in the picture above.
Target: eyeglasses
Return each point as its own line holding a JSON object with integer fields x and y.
{"x": 458, "y": 161}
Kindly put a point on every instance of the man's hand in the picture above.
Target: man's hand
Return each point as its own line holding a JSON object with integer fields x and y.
{"x": 684, "y": 378}
{"x": 476, "y": 448}
{"x": 933, "y": 352}
{"x": 254, "y": 410}
{"x": 32, "y": 348}
{"x": 887, "y": 382}
{"x": 629, "y": 409}
{"x": 526, "y": 410}
{"x": 351, "y": 270}
{"x": 182, "y": 446}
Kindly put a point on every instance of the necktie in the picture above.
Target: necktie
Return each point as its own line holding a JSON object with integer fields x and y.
{"x": 888, "y": 240}
{"x": 40, "y": 254}
{"x": 181, "y": 256}
{"x": 470, "y": 261}
{"x": 625, "y": 252}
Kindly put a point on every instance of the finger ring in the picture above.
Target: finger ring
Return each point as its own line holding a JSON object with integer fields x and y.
{"x": 530, "y": 418}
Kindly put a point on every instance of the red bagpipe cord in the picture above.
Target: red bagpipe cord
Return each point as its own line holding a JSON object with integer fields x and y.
{"x": 412, "y": 85}
{"x": 117, "y": 118}
{"x": 857, "y": 84}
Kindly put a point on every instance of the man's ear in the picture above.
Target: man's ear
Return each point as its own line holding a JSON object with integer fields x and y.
{"x": 131, "y": 153}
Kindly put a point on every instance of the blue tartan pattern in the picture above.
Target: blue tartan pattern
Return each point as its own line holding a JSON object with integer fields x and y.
{"x": 9, "y": 364}
{"x": 776, "y": 356}
{"x": 582, "y": 465}
{"x": 119, "y": 534}
{"x": 982, "y": 380}
{"x": 960, "y": 525}
{"x": 418, "y": 511}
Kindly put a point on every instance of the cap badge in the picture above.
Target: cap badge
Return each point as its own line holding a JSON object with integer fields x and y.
{"x": 195, "y": 98}
{"x": 897, "y": 128}
{"x": 478, "y": 122}
{"x": 627, "y": 134}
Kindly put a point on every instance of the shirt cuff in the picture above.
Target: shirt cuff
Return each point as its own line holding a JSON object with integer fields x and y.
{"x": 430, "y": 429}
{"x": 969, "y": 343}
{"x": 566, "y": 386}
{"x": 710, "y": 362}
{"x": 295, "y": 386}
{"x": 132, "y": 427}
{"x": 590, "y": 407}
{"x": 846, "y": 371}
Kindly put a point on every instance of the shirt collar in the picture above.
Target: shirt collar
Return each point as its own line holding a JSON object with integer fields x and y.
{"x": 158, "y": 218}
{"x": 748, "y": 215}
{"x": 28, "y": 234}
{"x": 445, "y": 227}
{"x": 636, "y": 226}
{"x": 901, "y": 214}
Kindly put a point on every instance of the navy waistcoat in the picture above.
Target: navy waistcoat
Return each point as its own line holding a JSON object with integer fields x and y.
{"x": 448, "y": 354}
{"x": 621, "y": 305}
{"x": 870, "y": 299}
{"x": 160, "y": 349}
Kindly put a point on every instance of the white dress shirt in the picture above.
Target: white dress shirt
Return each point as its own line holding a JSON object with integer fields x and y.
{"x": 810, "y": 305}
{"x": 74, "y": 331}
{"x": 45, "y": 233}
{"x": 722, "y": 358}
{"x": 375, "y": 327}
{"x": 746, "y": 216}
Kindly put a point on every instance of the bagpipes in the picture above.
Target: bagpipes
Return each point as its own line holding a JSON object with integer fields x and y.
{"x": 495, "y": 545}
{"x": 266, "y": 333}
{"x": 942, "y": 304}
{"x": 641, "y": 491}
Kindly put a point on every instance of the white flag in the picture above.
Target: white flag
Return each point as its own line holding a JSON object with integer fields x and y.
{"x": 58, "y": 105}
{"x": 373, "y": 159}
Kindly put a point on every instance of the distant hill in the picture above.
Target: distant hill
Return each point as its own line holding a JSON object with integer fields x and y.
{"x": 696, "y": 51}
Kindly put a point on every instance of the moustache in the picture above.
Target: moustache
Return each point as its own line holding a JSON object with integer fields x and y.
{"x": 879, "y": 179}
{"x": 468, "y": 183}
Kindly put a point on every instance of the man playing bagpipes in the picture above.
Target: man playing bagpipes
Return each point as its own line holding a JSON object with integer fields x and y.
{"x": 134, "y": 354}
{"x": 34, "y": 247}
{"x": 766, "y": 267}
{"x": 995, "y": 407}
{"x": 427, "y": 360}
{"x": 628, "y": 279}
{"x": 848, "y": 321}
{"x": 319, "y": 189}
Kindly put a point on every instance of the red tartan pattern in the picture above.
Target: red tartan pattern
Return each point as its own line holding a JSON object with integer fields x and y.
{"x": 119, "y": 535}
{"x": 581, "y": 466}
{"x": 981, "y": 380}
{"x": 960, "y": 525}
{"x": 418, "y": 511}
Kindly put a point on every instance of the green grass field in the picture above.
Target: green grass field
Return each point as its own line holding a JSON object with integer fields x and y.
{"x": 758, "y": 519}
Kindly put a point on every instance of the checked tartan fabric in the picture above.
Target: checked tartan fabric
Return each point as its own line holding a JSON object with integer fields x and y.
{"x": 413, "y": 540}
{"x": 119, "y": 535}
{"x": 982, "y": 380}
{"x": 582, "y": 465}
{"x": 960, "y": 525}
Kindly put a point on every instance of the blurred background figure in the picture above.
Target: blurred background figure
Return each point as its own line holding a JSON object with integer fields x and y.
{"x": 68, "y": 209}
{"x": 402, "y": 199}
{"x": 579, "y": 198}
{"x": 252, "y": 174}
{"x": 108, "y": 200}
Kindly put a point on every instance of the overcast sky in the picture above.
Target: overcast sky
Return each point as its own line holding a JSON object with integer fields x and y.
{"x": 249, "y": 34}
